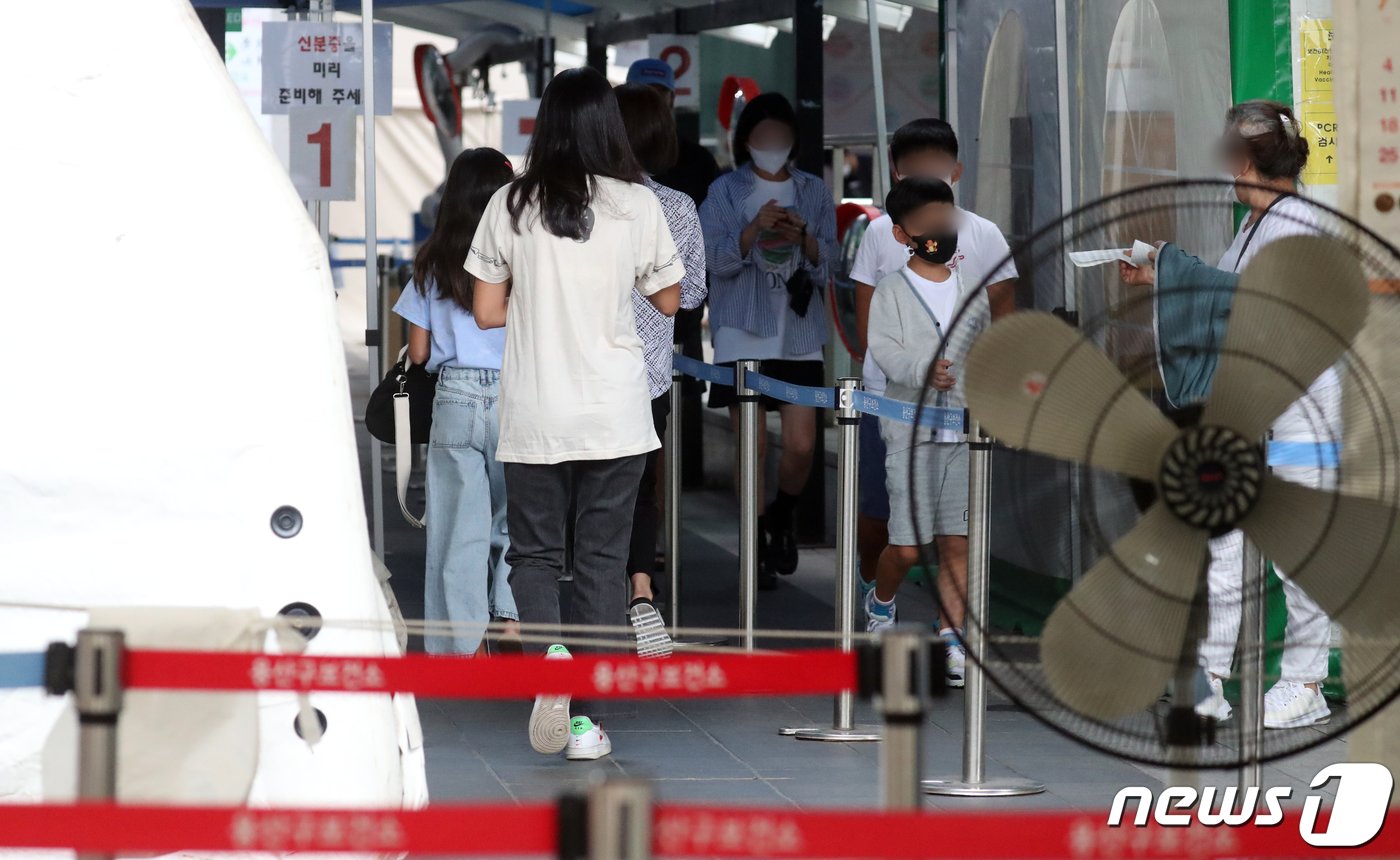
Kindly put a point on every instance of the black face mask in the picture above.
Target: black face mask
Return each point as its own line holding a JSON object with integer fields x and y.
{"x": 937, "y": 248}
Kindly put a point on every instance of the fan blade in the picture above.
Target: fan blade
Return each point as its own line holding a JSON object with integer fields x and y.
{"x": 1036, "y": 384}
{"x": 1299, "y": 304}
{"x": 1110, "y": 647}
{"x": 1344, "y": 551}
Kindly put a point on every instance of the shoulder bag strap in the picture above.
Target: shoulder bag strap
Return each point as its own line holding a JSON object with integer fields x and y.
{"x": 403, "y": 449}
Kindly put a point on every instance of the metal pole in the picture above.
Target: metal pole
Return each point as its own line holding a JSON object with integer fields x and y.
{"x": 843, "y": 726}
{"x": 619, "y": 820}
{"x": 673, "y": 495}
{"x": 974, "y": 782}
{"x": 877, "y": 73}
{"x": 1254, "y": 623}
{"x": 373, "y": 335}
{"x": 97, "y": 694}
{"x": 950, "y": 60}
{"x": 748, "y": 498}
{"x": 904, "y": 690}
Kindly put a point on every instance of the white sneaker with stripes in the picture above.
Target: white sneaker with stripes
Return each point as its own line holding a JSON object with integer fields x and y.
{"x": 653, "y": 641}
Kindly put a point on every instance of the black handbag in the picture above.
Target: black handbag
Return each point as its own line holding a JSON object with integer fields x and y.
{"x": 412, "y": 381}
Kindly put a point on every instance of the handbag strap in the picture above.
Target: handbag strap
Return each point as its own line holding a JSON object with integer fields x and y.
{"x": 403, "y": 448}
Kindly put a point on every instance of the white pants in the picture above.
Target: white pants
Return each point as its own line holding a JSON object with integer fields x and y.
{"x": 1307, "y": 636}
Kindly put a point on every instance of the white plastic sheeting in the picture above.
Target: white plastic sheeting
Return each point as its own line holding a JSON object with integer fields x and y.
{"x": 180, "y": 377}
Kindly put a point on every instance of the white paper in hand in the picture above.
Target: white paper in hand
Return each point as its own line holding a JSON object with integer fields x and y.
{"x": 1135, "y": 256}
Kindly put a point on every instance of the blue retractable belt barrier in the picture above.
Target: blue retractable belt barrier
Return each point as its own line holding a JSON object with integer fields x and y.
{"x": 941, "y": 417}
{"x": 21, "y": 670}
{"x": 801, "y": 395}
{"x": 1316, "y": 455}
{"x": 700, "y": 370}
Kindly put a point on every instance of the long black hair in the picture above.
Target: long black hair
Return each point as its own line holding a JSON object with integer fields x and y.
{"x": 578, "y": 135}
{"x": 765, "y": 106}
{"x": 475, "y": 175}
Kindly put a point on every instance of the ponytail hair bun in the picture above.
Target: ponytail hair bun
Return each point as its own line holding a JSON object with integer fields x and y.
{"x": 1270, "y": 136}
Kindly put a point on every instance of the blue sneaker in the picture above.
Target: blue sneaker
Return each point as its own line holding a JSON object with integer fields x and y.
{"x": 878, "y": 614}
{"x": 865, "y": 587}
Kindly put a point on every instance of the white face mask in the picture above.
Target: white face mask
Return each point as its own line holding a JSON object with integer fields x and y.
{"x": 769, "y": 160}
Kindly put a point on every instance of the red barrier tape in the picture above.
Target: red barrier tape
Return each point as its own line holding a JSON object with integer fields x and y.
{"x": 678, "y": 831}
{"x": 498, "y": 830}
{"x": 716, "y": 675}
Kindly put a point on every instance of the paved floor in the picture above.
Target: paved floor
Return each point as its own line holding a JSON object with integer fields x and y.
{"x": 729, "y": 750}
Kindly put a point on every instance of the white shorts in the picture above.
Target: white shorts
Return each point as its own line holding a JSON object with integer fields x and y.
{"x": 939, "y": 504}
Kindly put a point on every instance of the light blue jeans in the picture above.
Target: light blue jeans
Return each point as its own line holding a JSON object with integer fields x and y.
{"x": 467, "y": 580}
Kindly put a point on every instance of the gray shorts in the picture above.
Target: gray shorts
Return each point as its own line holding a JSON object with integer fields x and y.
{"x": 941, "y": 488}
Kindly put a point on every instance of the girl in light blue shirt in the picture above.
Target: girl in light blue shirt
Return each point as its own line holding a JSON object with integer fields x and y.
{"x": 467, "y": 578}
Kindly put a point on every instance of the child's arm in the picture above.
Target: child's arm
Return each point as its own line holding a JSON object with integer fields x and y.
{"x": 489, "y": 304}
{"x": 906, "y": 364}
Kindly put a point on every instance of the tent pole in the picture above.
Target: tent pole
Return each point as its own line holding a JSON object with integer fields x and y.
{"x": 881, "y": 179}
{"x": 373, "y": 336}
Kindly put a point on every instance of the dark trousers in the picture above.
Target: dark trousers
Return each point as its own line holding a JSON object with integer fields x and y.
{"x": 642, "y": 558}
{"x": 603, "y": 494}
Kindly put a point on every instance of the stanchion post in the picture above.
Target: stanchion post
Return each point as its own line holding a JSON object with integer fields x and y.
{"x": 973, "y": 781}
{"x": 1255, "y": 638}
{"x": 843, "y": 726}
{"x": 904, "y": 692}
{"x": 673, "y": 495}
{"x": 748, "y": 498}
{"x": 97, "y": 695}
{"x": 619, "y": 820}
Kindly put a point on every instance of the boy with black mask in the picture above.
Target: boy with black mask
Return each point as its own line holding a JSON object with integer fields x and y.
{"x": 912, "y": 311}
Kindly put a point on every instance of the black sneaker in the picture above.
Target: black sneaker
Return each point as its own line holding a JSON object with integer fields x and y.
{"x": 780, "y": 555}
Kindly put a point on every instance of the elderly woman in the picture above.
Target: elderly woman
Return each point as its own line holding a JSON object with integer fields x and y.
{"x": 1265, "y": 151}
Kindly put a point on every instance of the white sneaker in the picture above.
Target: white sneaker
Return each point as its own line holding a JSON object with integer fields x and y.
{"x": 549, "y": 720}
{"x": 587, "y": 741}
{"x": 1290, "y": 705}
{"x": 878, "y": 616}
{"x": 957, "y": 659}
{"x": 1215, "y": 705}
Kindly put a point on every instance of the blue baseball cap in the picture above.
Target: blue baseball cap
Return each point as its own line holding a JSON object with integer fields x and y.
{"x": 652, "y": 71}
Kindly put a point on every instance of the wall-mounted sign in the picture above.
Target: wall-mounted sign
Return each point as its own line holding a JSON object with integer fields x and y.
{"x": 683, "y": 53}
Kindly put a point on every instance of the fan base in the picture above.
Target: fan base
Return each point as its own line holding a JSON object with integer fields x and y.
{"x": 1006, "y": 786}
{"x": 831, "y": 734}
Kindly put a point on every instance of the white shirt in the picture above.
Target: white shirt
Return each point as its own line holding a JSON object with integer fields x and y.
{"x": 1317, "y": 415}
{"x": 573, "y": 378}
{"x": 983, "y": 258}
{"x": 941, "y": 298}
{"x": 779, "y": 258}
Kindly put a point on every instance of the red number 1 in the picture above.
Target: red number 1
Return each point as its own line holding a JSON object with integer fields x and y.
{"x": 322, "y": 138}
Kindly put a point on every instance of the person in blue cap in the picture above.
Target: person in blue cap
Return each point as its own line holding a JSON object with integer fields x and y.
{"x": 695, "y": 167}
{"x": 693, "y": 173}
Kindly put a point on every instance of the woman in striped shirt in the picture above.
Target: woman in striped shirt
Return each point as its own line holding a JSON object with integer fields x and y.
{"x": 770, "y": 240}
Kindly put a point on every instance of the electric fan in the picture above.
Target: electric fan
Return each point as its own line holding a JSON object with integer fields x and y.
{"x": 1109, "y": 482}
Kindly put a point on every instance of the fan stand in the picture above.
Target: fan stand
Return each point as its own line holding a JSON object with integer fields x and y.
{"x": 973, "y": 781}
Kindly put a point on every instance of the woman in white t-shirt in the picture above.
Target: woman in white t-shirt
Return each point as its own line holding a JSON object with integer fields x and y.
{"x": 466, "y": 578}
{"x": 770, "y": 239}
{"x": 1265, "y": 150}
{"x": 558, "y": 255}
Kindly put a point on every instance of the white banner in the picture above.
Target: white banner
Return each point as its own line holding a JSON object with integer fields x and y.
{"x": 322, "y": 149}
{"x": 683, "y": 55}
{"x": 314, "y": 66}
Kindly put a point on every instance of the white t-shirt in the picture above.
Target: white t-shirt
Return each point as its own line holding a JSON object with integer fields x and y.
{"x": 940, "y": 297}
{"x": 779, "y": 258}
{"x": 573, "y": 378}
{"x": 981, "y": 246}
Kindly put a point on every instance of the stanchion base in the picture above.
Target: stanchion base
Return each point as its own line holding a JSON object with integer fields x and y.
{"x": 832, "y": 734}
{"x": 692, "y": 644}
{"x": 1007, "y": 786}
